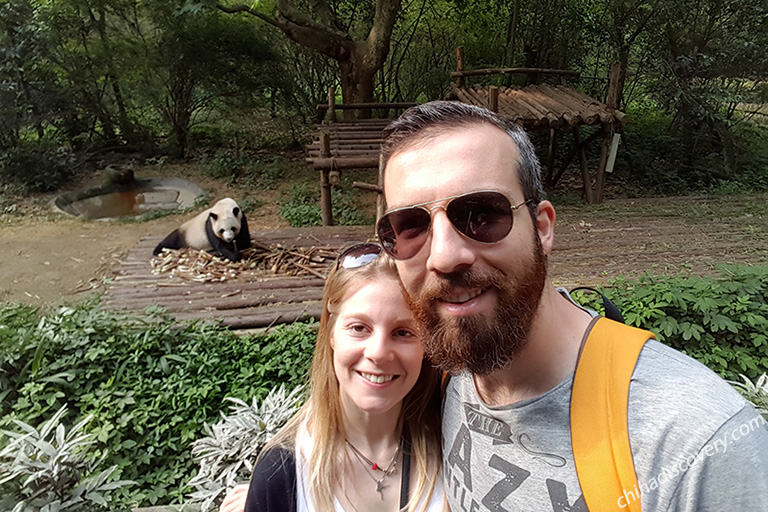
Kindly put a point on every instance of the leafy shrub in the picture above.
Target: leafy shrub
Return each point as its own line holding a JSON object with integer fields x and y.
{"x": 225, "y": 164}
{"x": 151, "y": 386}
{"x": 48, "y": 470}
{"x": 237, "y": 167}
{"x": 227, "y": 454}
{"x": 206, "y": 135}
{"x": 303, "y": 207}
{"x": 653, "y": 157}
{"x": 722, "y": 322}
{"x": 756, "y": 392}
{"x": 36, "y": 167}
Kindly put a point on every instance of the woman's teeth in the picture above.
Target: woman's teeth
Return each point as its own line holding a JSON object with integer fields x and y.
{"x": 377, "y": 379}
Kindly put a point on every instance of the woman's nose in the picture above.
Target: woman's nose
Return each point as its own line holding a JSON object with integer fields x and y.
{"x": 379, "y": 347}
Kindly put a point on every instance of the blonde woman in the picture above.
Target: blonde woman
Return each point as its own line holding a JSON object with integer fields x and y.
{"x": 368, "y": 437}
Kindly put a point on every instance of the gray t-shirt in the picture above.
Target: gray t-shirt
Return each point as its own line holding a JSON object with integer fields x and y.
{"x": 697, "y": 444}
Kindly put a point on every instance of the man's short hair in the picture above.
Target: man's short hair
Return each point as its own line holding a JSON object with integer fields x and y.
{"x": 423, "y": 122}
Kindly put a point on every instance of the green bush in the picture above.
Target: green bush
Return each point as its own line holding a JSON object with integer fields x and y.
{"x": 150, "y": 386}
{"x": 36, "y": 167}
{"x": 722, "y": 322}
{"x": 652, "y": 157}
{"x": 49, "y": 469}
{"x": 303, "y": 207}
{"x": 225, "y": 164}
{"x": 236, "y": 167}
{"x": 206, "y": 135}
{"x": 227, "y": 454}
{"x": 756, "y": 392}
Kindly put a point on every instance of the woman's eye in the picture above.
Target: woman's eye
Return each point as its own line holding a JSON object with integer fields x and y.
{"x": 404, "y": 333}
{"x": 357, "y": 328}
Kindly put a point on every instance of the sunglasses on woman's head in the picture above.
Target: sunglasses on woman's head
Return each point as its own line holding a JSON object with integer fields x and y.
{"x": 484, "y": 216}
{"x": 358, "y": 255}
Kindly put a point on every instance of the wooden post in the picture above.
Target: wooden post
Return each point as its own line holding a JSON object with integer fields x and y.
{"x": 600, "y": 181}
{"x": 332, "y": 104}
{"x": 326, "y": 209}
{"x": 551, "y": 154}
{"x": 381, "y": 205}
{"x": 493, "y": 99}
{"x": 460, "y": 65}
{"x": 612, "y": 99}
{"x": 583, "y": 164}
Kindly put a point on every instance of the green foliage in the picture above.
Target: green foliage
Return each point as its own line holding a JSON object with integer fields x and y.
{"x": 206, "y": 135}
{"x": 151, "y": 386}
{"x": 652, "y": 158}
{"x": 47, "y": 469}
{"x": 227, "y": 454}
{"x": 36, "y": 166}
{"x": 303, "y": 207}
{"x": 235, "y": 167}
{"x": 722, "y": 322}
{"x": 756, "y": 392}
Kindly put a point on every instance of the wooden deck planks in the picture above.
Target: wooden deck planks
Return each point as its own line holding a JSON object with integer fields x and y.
{"x": 244, "y": 302}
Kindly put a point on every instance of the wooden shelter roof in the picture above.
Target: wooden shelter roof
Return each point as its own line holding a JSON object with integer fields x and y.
{"x": 542, "y": 106}
{"x": 355, "y": 144}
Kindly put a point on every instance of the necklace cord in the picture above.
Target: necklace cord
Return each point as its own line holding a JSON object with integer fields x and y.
{"x": 375, "y": 467}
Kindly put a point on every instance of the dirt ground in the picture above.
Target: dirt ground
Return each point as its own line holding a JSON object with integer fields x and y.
{"x": 47, "y": 259}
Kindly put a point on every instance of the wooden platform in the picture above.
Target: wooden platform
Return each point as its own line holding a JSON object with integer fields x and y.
{"x": 240, "y": 303}
{"x": 350, "y": 145}
{"x": 592, "y": 246}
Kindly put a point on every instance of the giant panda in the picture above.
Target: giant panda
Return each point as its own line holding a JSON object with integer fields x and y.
{"x": 221, "y": 228}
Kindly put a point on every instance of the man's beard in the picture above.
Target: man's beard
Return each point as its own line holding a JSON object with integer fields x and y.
{"x": 481, "y": 343}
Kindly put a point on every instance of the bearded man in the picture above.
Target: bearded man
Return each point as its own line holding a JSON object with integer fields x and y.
{"x": 471, "y": 231}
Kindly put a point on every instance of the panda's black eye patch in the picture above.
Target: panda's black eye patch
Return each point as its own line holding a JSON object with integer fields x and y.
{"x": 214, "y": 216}
{"x": 236, "y": 212}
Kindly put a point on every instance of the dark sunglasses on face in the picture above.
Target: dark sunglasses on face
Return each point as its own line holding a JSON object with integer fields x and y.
{"x": 484, "y": 216}
{"x": 358, "y": 255}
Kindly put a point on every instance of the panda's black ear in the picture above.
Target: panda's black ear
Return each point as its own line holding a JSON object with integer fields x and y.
{"x": 214, "y": 216}
{"x": 236, "y": 211}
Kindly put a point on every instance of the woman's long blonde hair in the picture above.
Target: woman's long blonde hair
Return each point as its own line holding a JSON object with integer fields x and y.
{"x": 322, "y": 412}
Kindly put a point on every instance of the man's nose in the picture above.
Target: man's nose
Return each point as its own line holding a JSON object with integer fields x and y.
{"x": 448, "y": 249}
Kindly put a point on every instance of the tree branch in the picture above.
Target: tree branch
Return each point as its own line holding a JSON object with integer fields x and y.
{"x": 244, "y": 8}
{"x": 327, "y": 41}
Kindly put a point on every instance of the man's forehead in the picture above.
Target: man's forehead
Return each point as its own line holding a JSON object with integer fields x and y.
{"x": 449, "y": 162}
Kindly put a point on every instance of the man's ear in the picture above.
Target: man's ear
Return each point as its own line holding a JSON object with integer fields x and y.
{"x": 545, "y": 224}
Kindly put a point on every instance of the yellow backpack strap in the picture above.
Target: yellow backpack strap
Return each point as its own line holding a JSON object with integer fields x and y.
{"x": 599, "y": 430}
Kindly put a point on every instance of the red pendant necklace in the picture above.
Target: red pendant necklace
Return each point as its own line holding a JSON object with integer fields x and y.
{"x": 375, "y": 467}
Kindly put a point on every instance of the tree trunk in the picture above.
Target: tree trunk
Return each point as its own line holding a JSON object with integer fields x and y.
{"x": 624, "y": 63}
{"x": 357, "y": 79}
{"x": 359, "y": 60}
{"x": 126, "y": 127}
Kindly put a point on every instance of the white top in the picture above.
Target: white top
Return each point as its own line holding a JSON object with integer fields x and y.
{"x": 303, "y": 499}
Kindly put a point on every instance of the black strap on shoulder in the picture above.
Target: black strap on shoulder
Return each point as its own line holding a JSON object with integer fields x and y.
{"x": 405, "y": 482}
{"x": 611, "y": 311}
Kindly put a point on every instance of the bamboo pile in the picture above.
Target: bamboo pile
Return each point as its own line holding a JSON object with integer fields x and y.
{"x": 258, "y": 261}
